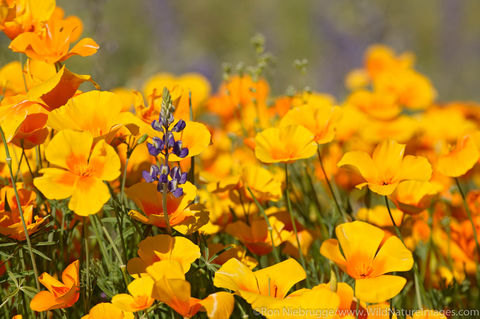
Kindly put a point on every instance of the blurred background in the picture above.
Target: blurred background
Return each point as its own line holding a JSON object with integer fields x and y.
{"x": 139, "y": 38}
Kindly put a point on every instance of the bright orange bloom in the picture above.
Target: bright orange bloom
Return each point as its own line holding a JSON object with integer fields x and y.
{"x": 193, "y": 83}
{"x": 413, "y": 197}
{"x": 163, "y": 247}
{"x": 382, "y": 106}
{"x": 256, "y": 236}
{"x": 367, "y": 258}
{"x": 235, "y": 94}
{"x": 19, "y": 16}
{"x": 50, "y": 87}
{"x": 80, "y": 171}
{"x": 97, "y": 112}
{"x": 387, "y": 167}
{"x": 172, "y": 288}
{"x": 233, "y": 251}
{"x": 379, "y": 216}
{"x": 381, "y": 59}
{"x": 23, "y": 121}
{"x": 106, "y": 310}
{"x": 261, "y": 287}
{"x": 52, "y": 43}
{"x": 140, "y": 297}
{"x": 320, "y": 120}
{"x": 285, "y": 144}
{"x": 60, "y": 294}
{"x": 184, "y": 216}
{"x": 263, "y": 184}
{"x": 10, "y": 221}
{"x": 461, "y": 159}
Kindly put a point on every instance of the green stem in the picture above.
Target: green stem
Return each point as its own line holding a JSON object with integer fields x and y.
{"x": 14, "y": 185}
{"x": 290, "y": 211}
{"x": 270, "y": 229}
{"x": 87, "y": 264}
{"x": 415, "y": 269}
{"x": 330, "y": 187}
{"x": 164, "y": 198}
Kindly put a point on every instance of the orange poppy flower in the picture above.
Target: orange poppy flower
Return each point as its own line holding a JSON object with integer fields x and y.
{"x": 11, "y": 80}
{"x": 23, "y": 121}
{"x": 461, "y": 159}
{"x": 52, "y": 42}
{"x": 263, "y": 184}
{"x": 60, "y": 294}
{"x": 261, "y": 287}
{"x": 183, "y": 215}
{"x": 382, "y": 106}
{"x": 232, "y": 251}
{"x": 140, "y": 297}
{"x": 285, "y": 144}
{"x": 50, "y": 87}
{"x": 106, "y": 310}
{"x": 80, "y": 171}
{"x": 387, "y": 167}
{"x": 19, "y": 16}
{"x": 379, "y": 216}
{"x": 10, "y": 221}
{"x": 97, "y": 112}
{"x": 381, "y": 59}
{"x": 193, "y": 83}
{"x": 163, "y": 247}
{"x": 320, "y": 120}
{"x": 236, "y": 93}
{"x": 256, "y": 236}
{"x": 172, "y": 288}
{"x": 367, "y": 258}
{"x": 413, "y": 197}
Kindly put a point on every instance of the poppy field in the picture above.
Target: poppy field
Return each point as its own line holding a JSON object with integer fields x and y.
{"x": 178, "y": 199}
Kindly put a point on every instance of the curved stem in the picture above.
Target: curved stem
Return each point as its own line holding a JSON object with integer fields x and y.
{"x": 290, "y": 211}
{"x": 330, "y": 187}
{"x": 415, "y": 269}
{"x": 17, "y": 197}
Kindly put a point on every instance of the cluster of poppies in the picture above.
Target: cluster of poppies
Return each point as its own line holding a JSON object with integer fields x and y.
{"x": 172, "y": 201}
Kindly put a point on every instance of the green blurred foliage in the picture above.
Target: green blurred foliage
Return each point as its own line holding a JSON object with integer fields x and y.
{"x": 142, "y": 37}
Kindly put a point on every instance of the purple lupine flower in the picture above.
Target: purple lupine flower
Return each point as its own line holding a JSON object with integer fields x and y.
{"x": 179, "y": 126}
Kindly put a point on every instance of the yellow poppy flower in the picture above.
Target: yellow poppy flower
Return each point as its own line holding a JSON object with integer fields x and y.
{"x": 382, "y": 106}
{"x": 261, "y": 287}
{"x": 387, "y": 167}
{"x": 163, "y": 247}
{"x": 172, "y": 288}
{"x": 60, "y": 294}
{"x": 284, "y": 144}
{"x": 413, "y": 197}
{"x": 79, "y": 171}
{"x": 21, "y": 16}
{"x": 23, "y": 121}
{"x": 106, "y": 310}
{"x": 379, "y": 216}
{"x": 367, "y": 260}
{"x": 459, "y": 160}
{"x": 256, "y": 236}
{"x": 52, "y": 42}
{"x": 320, "y": 120}
{"x": 183, "y": 215}
{"x": 193, "y": 83}
{"x": 97, "y": 112}
{"x": 140, "y": 297}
